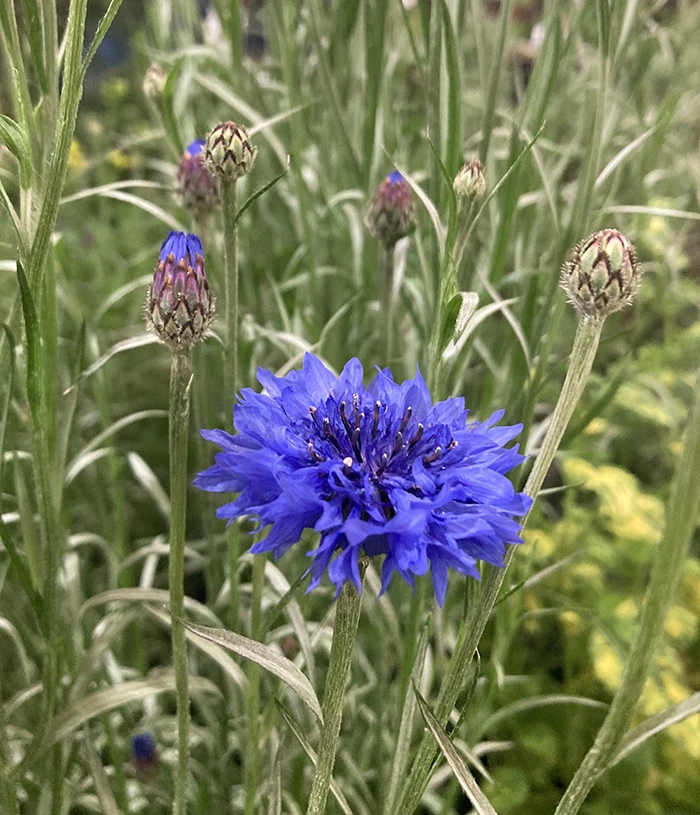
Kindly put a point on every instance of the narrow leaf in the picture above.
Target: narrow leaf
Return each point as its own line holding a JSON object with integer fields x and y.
{"x": 459, "y": 767}
{"x": 657, "y": 724}
{"x": 308, "y": 749}
{"x": 104, "y": 793}
{"x": 262, "y": 191}
{"x": 265, "y": 656}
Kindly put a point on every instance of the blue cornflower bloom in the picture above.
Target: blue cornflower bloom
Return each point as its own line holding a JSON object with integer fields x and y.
{"x": 143, "y": 747}
{"x": 376, "y": 470}
{"x": 196, "y": 147}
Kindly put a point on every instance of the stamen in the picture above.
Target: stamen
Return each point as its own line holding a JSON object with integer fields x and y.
{"x": 313, "y": 411}
{"x": 356, "y": 409}
{"x": 417, "y": 436}
{"x": 356, "y": 443}
{"x": 314, "y": 455}
{"x": 375, "y": 422}
{"x": 434, "y": 456}
{"x": 330, "y": 435}
{"x": 347, "y": 461}
{"x": 346, "y": 423}
{"x": 406, "y": 419}
{"x": 398, "y": 444}
{"x": 383, "y": 465}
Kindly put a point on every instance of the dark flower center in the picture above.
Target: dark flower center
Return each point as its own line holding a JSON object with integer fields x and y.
{"x": 372, "y": 440}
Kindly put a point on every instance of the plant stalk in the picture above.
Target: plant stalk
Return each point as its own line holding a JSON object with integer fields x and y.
{"x": 682, "y": 513}
{"x": 229, "y": 207}
{"x": 347, "y": 618}
{"x": 180, "y": 379}
{"x": 386, "y": 301}
{"x": 582, "y": 356}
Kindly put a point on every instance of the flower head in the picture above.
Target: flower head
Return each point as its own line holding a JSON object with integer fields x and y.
{"x": 179, "y": 306}
{"x": 154, "y": 82}
{"x": 197, "y": 188}
{"x": 229, "y": 151}
{"x": 144, "y": 754}
{"x": 602, "y": 274}
{"x": 391, "y": 214}
{"x": 470, "y": 182}
{"x": 376, "y": 470}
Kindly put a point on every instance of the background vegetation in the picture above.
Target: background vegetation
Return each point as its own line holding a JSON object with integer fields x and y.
{"x": 586, "y": 116}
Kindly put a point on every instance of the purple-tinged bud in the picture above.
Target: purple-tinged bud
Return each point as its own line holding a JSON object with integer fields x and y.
{"x": 470, "y": 182}
{"x": 229, "y": 151}
{"x": 198, "y": 189}
{"x": 179, "y": 305}
{"x": 144, "y": 755}
{"x": 391, "y": 214}
{"x": 602, "y": 275}
{"x": 154, "y": 82}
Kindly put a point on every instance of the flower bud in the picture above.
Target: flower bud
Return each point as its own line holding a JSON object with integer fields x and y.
{"x": 602, "y": 275}
{"x": 179, "y": 306}
{"x": 229, "y": 151}
{"x": 470, "y": 182}
{"x": 144, "y": 755}
{"x": 197, "y": 188}
{"x": 154, "y": 82}
{"x": 391, "y": 214}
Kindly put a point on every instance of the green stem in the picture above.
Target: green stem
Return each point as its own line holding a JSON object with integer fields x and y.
{"x": 252, "y": 767}
{"x": 448, "y": 289}
{"x": 669, "y": 560}
{"x": 229, "y": 206}
{"x": 180, "y": 377}
{"x": 347, "y": 618}
{"x": 471, "y": 630}
{"x": 228, "y": 191}
{"x": 386, "y": 301}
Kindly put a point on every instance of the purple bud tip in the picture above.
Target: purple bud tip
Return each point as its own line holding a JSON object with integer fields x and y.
{"x": 196, "y": 147}
{"x": 143, "y": 747}
{"x": 395, "y": 177}
{"x": 184, "y": 247}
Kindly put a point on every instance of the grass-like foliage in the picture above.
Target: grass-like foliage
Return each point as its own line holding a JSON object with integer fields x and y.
{"x": 398, "y": 183}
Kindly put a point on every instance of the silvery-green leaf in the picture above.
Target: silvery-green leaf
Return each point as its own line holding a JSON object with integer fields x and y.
{"x": 265, "y": 656}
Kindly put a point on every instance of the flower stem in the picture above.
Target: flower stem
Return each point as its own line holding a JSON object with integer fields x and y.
{"x": 670, "y": 557}
{"x": 386, "y": 300}
{"x": 252, "y": 757}
{"x": 347, "y": 618}
{"x": 180, "y": 377}
{"x": 447, "y": 290}
{"x": 229, "y": 205}
{"x": 582, "y": 356}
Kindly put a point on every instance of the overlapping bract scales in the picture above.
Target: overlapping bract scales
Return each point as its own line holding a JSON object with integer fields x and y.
{"x": 376, "y": 470}
{"x": 179, "y": 304}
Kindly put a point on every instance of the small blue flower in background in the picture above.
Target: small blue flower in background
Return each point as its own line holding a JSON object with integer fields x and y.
{"x": 144, "y": 754}
{"x": 376, "y": 470}
{"x": 196, "y": 147}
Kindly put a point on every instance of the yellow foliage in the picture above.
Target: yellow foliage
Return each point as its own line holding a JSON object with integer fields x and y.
{"x": 627, "y": 512}
{"x": 627, "y": 609}
{"x": 571, "y": 621}
{"x": 539, "y": 544}
{"x": 120, "y": 160}
{"x": 660, "y": 693}
{"x": 76, "y": 158}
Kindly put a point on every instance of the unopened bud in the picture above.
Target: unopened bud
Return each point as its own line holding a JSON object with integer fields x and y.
{"x": 229, "y": 151}
{"x": 197, "y": 188}
{"x": 154, "y": 82}
{"x": 470, "y": 182}
{"x": 179, "y": 305}
{"x": 602, "y": 276}
{"x": 391, "y": 214}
